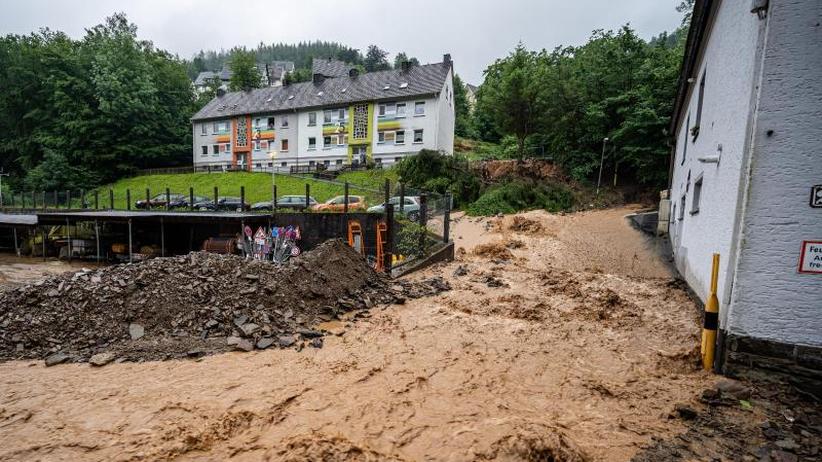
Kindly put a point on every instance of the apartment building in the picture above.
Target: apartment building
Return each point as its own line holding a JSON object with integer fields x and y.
{"x": 377, "y": 117}
{"x": 746, "y": 177}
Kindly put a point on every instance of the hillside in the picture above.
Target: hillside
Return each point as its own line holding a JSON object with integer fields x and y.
{"x": 257, "y": 185}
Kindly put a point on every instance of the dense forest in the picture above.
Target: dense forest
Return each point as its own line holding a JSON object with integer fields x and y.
{"x": 76, "y": 113}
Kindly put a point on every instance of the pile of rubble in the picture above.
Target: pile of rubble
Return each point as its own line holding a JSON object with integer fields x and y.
{"x": 192, "y": 305}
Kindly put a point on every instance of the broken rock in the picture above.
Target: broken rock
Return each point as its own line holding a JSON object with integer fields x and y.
{"x": 136, "y": 331}
{"x": 101, "y": 359}
{"x": 56, "y": 358}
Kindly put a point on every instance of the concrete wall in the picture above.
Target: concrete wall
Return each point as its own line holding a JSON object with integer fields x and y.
{"x": 771, "y": 300}
{"x": 446, "y": 116}
{"x": 728, "y": 63}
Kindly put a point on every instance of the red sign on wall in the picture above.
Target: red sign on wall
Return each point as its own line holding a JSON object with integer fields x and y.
{"x": 810, "y": 259}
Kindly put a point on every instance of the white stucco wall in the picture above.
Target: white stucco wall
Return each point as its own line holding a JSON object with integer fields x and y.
{"x": 728, "y": 59}
{"x": 446, "y": 115}
{"x": 428, "y": 123}
{"x": 771, "y": 299}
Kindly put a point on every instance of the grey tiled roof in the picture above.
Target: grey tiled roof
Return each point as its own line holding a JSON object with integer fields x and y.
{"x": 421, "y": 80}
{"x": 330, "y": 67}
{"x": 204, "y": 77}
{"x": 287, "y": 66}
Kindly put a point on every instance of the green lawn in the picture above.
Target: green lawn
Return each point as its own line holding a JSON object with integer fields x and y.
{"x": 257, "y": 186}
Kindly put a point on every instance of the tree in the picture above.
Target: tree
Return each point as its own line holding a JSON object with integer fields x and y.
{"x": 463, "y": 124}
{"x": 513, "y": 95}
{"x": 244, "y": 73}
{"x": 402, "y": 57}
{"x": 376, "y": 59}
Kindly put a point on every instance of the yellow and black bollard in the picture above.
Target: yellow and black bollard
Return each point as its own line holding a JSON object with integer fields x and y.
{"x": 711, "y": 323}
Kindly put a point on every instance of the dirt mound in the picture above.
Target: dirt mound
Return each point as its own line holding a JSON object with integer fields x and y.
{"x": 330, "y": 449}
{"x": 189, "y": 305}
{"x": 535, "y": 443}
{"x": 520, "y": 224}
{"x": 494, "y": 251}
{"x": 537, "y": 169}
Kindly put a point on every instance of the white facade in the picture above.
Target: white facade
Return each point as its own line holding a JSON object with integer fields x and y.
{"x": 741, "y": 186}
{"x": 399, "y": 128}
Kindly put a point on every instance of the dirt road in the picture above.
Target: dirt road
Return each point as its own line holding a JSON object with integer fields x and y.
{"x": 529, "y": 357}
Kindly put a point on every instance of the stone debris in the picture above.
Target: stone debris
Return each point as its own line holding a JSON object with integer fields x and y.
{"x": 168, "y": 307}
{"x": 101, "y": 359}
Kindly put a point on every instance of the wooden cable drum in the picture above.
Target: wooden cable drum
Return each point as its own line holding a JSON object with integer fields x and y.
{"x": 220, "y": 245}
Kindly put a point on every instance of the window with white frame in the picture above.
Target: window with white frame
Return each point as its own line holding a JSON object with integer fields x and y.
{"x": 339, "y": 162}
{"x": 215, "y": 149}
{"x": 342, "y": 115}
{"x": 227, "y": 148}
{"x": 696, "y": 196}
{"x": 284, "y": 121}
{"x": 312, "y": 143}
{"x": 381, "y": 137}
{"x": 327, "y": 116}
{"x": 419, "y": 108}
{"x": 327, "y": 142}
{"x": 284, "y": 164}
{"x": 387, "y": 110}
{"x": 220, "y": 127}
{"x": 312, "y": 119}
{"x": 681, "y": 207}
{"x": 400, "y": 137}
{"x": 400, "y": 109}
{"x": 284, "y": 145}
{"x": 205, "y": 150}
{"x": 203, "y": 129}
{"x": 256, "y": 145}
{"x": 418, "y": 136}
{"x": 342, "y": 140}
{"x": 271, "y": 122}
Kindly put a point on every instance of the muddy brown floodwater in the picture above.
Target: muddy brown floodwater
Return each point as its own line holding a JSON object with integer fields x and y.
{"x": 575, "y": 345}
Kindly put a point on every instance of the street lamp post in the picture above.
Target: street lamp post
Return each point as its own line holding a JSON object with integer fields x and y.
{"x": 601, "y": 160}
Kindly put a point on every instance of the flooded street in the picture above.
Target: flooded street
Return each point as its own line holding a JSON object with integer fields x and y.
{"x": 16, "y": 270}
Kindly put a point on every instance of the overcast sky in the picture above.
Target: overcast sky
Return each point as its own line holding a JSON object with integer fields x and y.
{"x": 475, "y": 32}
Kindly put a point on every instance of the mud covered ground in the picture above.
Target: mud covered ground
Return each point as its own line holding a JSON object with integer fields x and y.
{"x": 556, "y": 343}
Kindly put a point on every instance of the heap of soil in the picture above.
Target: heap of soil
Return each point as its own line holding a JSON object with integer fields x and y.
{"x": 191, "y": 305}
{"x": 536, "y": 169}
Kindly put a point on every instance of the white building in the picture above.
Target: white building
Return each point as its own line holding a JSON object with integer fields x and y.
{"x": 375, "y": 117}
{"x": 748, "y": 130}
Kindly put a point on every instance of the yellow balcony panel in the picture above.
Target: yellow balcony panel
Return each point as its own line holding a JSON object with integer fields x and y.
{"x": 223, "y": 138}
{"x": 388, "y": 125}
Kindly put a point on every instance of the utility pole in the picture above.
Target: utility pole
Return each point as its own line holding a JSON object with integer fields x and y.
{"x": 601, "y": 160}
{"x": 1, "y": 186}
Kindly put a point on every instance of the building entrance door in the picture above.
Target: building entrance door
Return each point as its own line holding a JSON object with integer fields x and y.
{"x": 358, "y": 154}
{"x": 242, "y": 160}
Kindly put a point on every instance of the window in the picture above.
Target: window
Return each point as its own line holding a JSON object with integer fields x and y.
{"x": 270, "y": 164}
{"x": 327, "y": 116}
{"x": 264, "y": 145}
{"x": 697, "y": 195}
{"x": 215, "y": 149}
{"x": 203, "y": 129}
{"x": 284, "y": 122}
{"x": 312, "y": 143}
{"x": 419, "y": 108}
{"x": 326, "y": 163}
{"x": 257, "y": 145}
{"x": 389, "y": 137}
{"x": 205, "y": 148}
{"x": 400, "y": 137}
{"x": 220, "y": 127}
{"x": 700, "y": 98}
{"x": 283, "y": 145}
{"x": 311, "y": 163}
{"x": 418, "y": 136}
{"x": 341, "y": 140}
{"x": 312, "y": 119}
{"x": 271, "y": 123}
{"x": 378, "y": 161}
{"x": 214, "y": 127}
{"x": 400, "y": 109}
{"x": 257, "y": 123}
{"x": 341, "y": 115}
{"x": 685, "y": 137}
{"x": 681, "y": 207}
{"x": 339, "y": 162}
{"x": 227, "y": 148}
{"x": 381, "y": 137}
{"x": 284, "y": 164}
{"x": 397, "y": 159}
{"x": 326, "y": 142}
{"x": 387, "y": 110}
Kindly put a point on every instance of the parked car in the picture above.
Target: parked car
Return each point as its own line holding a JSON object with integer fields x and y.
{"x": 337, "y": 204}
{"x": 224, "y": 203}
{"x": 160, "y": 201}
{"x": 410, "y": 207}
{"x": 197, "y": 200}
{"x": 294, "y": 202}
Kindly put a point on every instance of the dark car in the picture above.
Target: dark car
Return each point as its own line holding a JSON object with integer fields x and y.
{"x": 293, "y": 202}
{"x": 224, "y": 203}
{"x": 175, "y": 200}
{"x": 197, "y": 200}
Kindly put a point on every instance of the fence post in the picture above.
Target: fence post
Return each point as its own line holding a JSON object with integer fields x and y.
{"x": 68, "y": 200}
{"x": 423, "y": 219}
{"x": 387, "y": 191}
{"x": 242, "y": 198}
{"x": 402, "y": 198}
{"x": 168, "y": 199}
{"x": 215, "y": 197}
{"x": 274, "y": 198}
{"x": 128, "y": 199}
{"x": 388, "y": 250}
{"x": 345, "y": 201}
{"x": 446, "y": 219}
{"x": 190, "y": 198}
{"x": 96, "y": 199}
{"x": 83, "y": 199}
{"x": 307, "y": 195}
{"x": 148, "y": 199}
{"x": 111, "y": 198}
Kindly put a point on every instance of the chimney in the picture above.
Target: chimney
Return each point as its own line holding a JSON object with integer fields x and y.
{"x": 353, "y": 72}
{"x": 446, "y": 58}
{"x": 318, "y": 78}
{"x": 406, "y": 65}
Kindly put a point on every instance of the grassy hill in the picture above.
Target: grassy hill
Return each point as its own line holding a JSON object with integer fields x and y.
{"x": 257, "y": 186}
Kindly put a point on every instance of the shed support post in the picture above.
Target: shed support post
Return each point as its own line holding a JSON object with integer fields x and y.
{"x": 130, "y": 253}
{"x": 68, "y": 232}
{"x": 16, "y": 247}
{"x": 97, "y": 239}
{"x": 388, "y": 249}
{"x": 446, "y": 219}
{"x": 162, "y": 238}
{"x": 43, "y": 234}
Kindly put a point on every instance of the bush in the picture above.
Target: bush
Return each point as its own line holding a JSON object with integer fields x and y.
{"x": 436, "y": 172}
{"x": 409, "y": 238}
{"x": 517, "y": 196}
